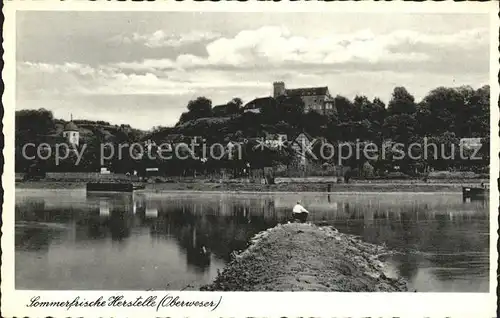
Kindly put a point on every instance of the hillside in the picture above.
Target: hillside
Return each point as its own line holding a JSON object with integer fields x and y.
{"x": 235, "y": 127}
{"x": 40, "y": 127}
{"x": 444, "y": 116}
{"x": 33, "y": 125}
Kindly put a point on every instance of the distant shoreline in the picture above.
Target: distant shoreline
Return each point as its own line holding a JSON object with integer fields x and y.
{"x": 282, "y": 187}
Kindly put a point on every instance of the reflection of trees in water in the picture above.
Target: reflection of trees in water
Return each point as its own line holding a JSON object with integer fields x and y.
{"x": 409, "y": 234}
{"x": 109, "y": 214}
{"x": 99, "y": 217}
{"x": 120, "y": 223}
{"x": 439, "y": 235}
{"x": 179, "y": 224}
{"x": 37, "y": 210}
{"x": 464, "y": 265}
{"x": 416, "y": 228}
{"x": 216, "y": 227}
{"x": 196, "y": 245}
{"x": 408, "y": 265}
{"x": 96, "y": 226}
{"x": 200, "y": 227}
{"x": 405, "y": 228}
{"x": 33, "y": 230}
{"x": 31, "y": 210}
{"x": 222, "y": 224}
{"x": 34, "y": 238}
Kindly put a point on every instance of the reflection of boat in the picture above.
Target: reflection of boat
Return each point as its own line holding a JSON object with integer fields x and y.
{"x": 139, "y": 186}
{"x": 151, "y": 212}
{"x": 110, "y": 187}
{"x": 113, "y": 186}
{"x": 474, "y": 193}
{"x": 104, "y": 208}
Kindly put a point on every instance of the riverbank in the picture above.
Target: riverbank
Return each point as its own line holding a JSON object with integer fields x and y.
{"x": 304, "y": 257}
{"x": 253, "y": 187}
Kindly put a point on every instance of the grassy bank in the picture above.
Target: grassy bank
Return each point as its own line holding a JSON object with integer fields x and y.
{"x": 304, "y": 257}
{"x": 252, "y": 187}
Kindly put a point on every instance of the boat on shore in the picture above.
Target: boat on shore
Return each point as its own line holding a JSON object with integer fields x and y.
{"x": 113, "y": 187}
{"x": 139, "y": 186}
{"x": 475, "y": 193}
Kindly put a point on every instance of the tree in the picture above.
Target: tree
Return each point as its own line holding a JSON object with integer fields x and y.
{"x": 400, "y": 124}
{"x": 370, "y": 118}
{"x": 345, "y": 109}
{"x": 401, "y": 102}
{"x": 362, "y": 106}
{"x": 377, "y": 112}
{"x": 314, "y": 123}
{"x": 32, "y": 123}
{"x": 444, "y": 106}
{"x": 400, "y": 128}
{"x": 92, "y": 154}
{"x": 290, "y": 108}
{"x": 234, "y": 106}
{"x": 422, "y": 120}
{"x": 291, "y": 104}
{"x": 200, "y": 107}
{"x": 447, "y": 153}
{"x": 461, "y": 110}
{"x": 185, "y": 116}
{"x": 476, "y": 114}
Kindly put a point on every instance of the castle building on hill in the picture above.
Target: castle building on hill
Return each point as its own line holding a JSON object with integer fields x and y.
{"x": 315, "y": 99}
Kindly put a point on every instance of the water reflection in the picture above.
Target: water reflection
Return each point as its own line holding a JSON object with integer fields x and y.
{"x": 141, "y": 241}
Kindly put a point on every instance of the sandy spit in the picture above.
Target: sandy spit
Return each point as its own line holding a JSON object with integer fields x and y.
{"x": 306, "y": 257}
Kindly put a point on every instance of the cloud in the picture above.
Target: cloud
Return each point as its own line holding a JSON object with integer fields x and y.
{"x": 276, "y": 47}
{"x": 161, "y": 38}
{"x": 247, "y": 62}
{"x": 80, "y": 79}
{"x": 469, "y": 38}
{"x": 147, "y": 65}
{"x": 117, "y": 68}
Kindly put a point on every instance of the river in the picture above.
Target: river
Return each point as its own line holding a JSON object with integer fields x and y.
{"x": 67, "y": 239}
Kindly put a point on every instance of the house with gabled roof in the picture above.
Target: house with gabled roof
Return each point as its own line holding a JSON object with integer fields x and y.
{"x": 301, "y": 145}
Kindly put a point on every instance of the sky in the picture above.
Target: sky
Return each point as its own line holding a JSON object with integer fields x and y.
{"x": 142, "y": 68}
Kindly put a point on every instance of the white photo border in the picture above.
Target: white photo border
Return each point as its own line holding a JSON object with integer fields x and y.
{"x": 239, "y": 304}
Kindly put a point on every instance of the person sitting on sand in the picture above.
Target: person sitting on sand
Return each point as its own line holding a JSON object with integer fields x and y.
{"x": 299, "y": 213}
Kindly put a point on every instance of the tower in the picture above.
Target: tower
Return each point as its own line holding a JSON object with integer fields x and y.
{"x": 278, "y": 89}
{"x": 71, "y": 133}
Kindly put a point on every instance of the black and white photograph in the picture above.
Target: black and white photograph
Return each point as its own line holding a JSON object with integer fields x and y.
{"x": 274, "y": 151}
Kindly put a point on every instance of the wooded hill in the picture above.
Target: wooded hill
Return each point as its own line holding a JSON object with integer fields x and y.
{"x": 445, "y": 114}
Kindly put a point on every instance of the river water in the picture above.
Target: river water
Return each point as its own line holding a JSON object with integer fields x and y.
{"x": 68, "y": 239}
